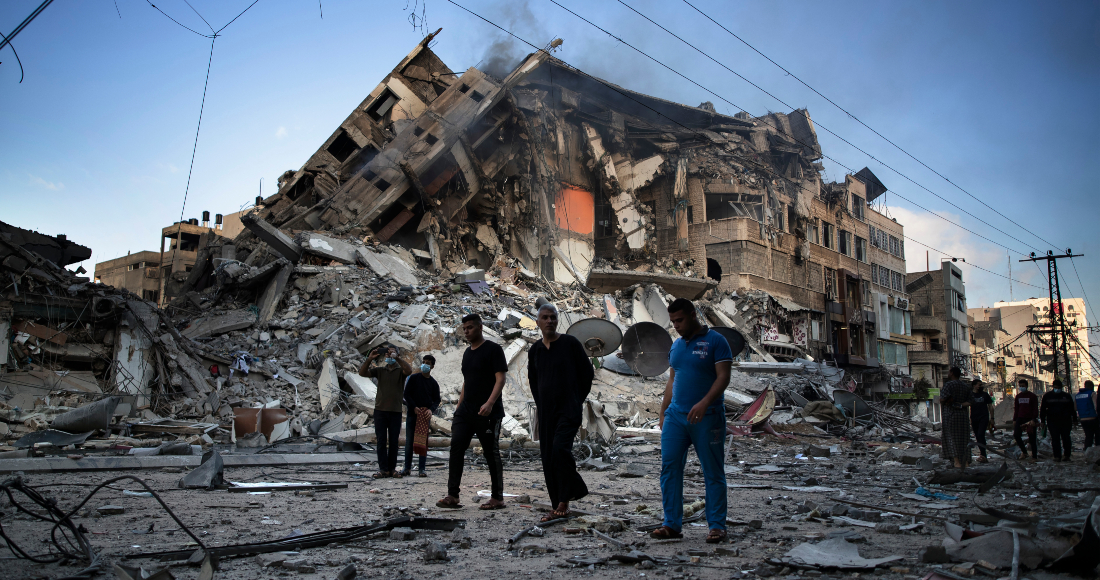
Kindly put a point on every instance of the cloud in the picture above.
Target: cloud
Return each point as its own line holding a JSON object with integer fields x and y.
{"x": 280, "y": 133}
{"x": 35, "y": 180}
{"x": 950, "y": 241}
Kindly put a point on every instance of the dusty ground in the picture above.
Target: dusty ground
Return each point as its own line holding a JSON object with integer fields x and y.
{"x": 225, "y": 518}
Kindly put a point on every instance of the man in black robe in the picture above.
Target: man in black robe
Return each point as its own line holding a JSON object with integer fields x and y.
{"x": 561, "y": 378}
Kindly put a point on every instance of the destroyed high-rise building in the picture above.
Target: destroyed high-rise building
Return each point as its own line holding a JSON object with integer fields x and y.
{"x": 582, "y": 180}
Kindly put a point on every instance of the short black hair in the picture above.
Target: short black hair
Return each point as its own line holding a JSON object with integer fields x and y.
{"x": 976, "y": 382}
{"x": 428, "y": 357}
{"x": 1023, "y": 382}
{"x": 1057, "y": 382}
{"x": 1088, "y": 385}
{"x": 681, "y": 305}
{"x": 472, "y": 317}
{"x": 955, "y": 372}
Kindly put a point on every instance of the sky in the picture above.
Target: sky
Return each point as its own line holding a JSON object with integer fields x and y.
{"x": 1001, "y": 98}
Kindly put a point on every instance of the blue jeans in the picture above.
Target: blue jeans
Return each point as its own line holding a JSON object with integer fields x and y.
{"x": 709, "y": 438}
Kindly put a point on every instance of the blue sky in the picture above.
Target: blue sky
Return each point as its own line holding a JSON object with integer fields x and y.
{"x": 1000, "y": 97}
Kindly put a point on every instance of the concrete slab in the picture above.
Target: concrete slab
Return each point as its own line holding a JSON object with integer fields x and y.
{"x": 326, "y": 247}
{"x": 607, "y": 280}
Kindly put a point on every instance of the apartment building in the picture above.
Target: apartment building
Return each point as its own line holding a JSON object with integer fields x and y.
{"x": 180, "y": 244}
{"x": 1034, "y": 350}
{"x": 940, "y": 325}
{"x": 138, "y": 272}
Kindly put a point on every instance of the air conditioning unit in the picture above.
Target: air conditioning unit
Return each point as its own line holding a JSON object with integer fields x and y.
{"x": 901, "y": 303}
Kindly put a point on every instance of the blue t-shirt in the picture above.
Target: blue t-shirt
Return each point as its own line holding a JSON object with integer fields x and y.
{"x": 693, "y": 360}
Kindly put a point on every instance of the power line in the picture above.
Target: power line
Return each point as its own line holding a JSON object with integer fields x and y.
{"x": 16, "y": 57}
{"x": 780, "y": 130}
{"x": 860, "y": 121}
{"x": 26, "y": 21}
{"x": 974, "y": 265}
{"x": 625, "y": 94}
{"x": 1083, "y": 292}
{"x": 195, "y": 147}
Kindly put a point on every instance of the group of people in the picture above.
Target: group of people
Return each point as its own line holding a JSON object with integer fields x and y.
{"x": 560, "y": 375}
{"x": 968, "y": 408}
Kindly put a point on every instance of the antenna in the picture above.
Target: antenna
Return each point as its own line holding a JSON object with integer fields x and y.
{"x": 599, "y": 337}
{"x": 645, "y": 348}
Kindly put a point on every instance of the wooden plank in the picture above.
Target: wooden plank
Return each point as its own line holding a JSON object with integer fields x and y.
{"x": 41, "y": 331}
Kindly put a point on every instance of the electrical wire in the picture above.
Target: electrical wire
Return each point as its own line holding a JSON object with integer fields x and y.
{"x": 780, "y": 130}
{"x": 974, "y": 265}
{"x": 12, "y": 46}
{"x": 860, "y": 121}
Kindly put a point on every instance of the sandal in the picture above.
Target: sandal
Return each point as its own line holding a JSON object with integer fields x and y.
{"x": 397, "y": 474}
{"x": 716, "y": 536}
{"x": 381, "y": 475}
{"x": 554, "y": 515}
{"x": 493, "y": 504}
{"x": 422, "y": 474}
{"x": 665, "y": 533}
{"x": 448, "y": 502}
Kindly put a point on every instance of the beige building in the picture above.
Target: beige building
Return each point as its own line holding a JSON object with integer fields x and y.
{"x": 180, "y": 244}
{"x": 1017, "y": 316}
{"x": 139, "y": 273}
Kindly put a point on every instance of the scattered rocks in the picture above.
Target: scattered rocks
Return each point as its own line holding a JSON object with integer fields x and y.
{"x": 435, "y": 552}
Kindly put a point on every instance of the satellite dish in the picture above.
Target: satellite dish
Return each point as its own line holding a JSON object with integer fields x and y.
{"x": 645, "y": 348}
{"x": 732, "y": 336}
{"x": 599, "y": 337}
{"x": 616, "y": 364}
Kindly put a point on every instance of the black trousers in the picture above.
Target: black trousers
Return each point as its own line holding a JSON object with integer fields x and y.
{"x": 387, "y": 427}
{"x": 1059, "y": 438}
{"x": 979, "y": 426}
{"x": 1017, "y": 434}
{"x": 1090, "y": 427}
{"x": 463, "y": 429}
{"x": 410, "y": 434}
{"x": 556, "y": 434}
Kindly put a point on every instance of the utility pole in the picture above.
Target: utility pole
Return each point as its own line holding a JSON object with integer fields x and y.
{"x": 1011, "y": 298}
{"x": 1057, "y": 318}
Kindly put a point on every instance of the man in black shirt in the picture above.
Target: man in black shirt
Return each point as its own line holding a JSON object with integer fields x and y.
{"x": 390, "y": 376}
{"x": 421, "y": 392}
{"x": 561, "y": 378}
{"x": 981, "y": 409}
{"x": 479, "y": 412}
{"x": 1058, "y": 412}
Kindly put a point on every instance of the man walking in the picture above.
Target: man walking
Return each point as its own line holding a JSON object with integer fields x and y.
{"x": 1086, "y": 413}
{"x": 1058, "y": 414}
{"x": 390, "y": 376}
{"x": 479, "y": 412}
{"x": 981, "y": 413}
{"x": 955, "y": 399}
{"x": 693, "y": 413}
{"x": 561, "y": 378}
{"x": 421, "y": 400}
{"x": 1025, "y": 412}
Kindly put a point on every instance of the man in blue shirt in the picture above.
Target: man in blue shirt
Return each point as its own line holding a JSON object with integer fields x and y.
{"x": 693, "y": 414}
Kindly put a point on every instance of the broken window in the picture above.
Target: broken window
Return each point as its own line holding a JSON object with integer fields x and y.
{"x": 895, "y": 246}
{"x": 792, "y": 219}
{"x": 780, "y": 221}
{"x": 476, "y": 96}
{"x": 342, "y": 146}
{"x": 812, "y": 234}
{"x": 150, "y": 295}
{"x": 830, "y": 284}
{"x": 691, "y": 215}
{"x": 857, "y": 207}
{"x": 382, "y": 105}
{"x": 827, "y": 235}
{"x": 723, "y": 205}
{"x": 431, "y": 139}
{"x": 861, "y": 249}
{"x": 845, "y": 239}
{"x": 382, "y": 185}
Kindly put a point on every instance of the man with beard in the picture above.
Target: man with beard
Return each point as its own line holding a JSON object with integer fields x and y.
{"x": 561, "y": 378}
{"x": 387, "y": 405}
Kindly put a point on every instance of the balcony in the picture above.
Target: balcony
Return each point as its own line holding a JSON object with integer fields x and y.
{"x": 927, "y": 324}
{"x": 927, "y": 353}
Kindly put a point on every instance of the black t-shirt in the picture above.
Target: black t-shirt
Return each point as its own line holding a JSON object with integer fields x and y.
{"x": 979, "y": 411}
{"x": 421, "y": 391}
{"x": 479, "y": 369}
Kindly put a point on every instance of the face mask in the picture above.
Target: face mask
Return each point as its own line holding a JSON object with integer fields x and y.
{"x": 1023, "y": 389}
{"x": 389, "y": 361}
{"x": 425, "y": 368}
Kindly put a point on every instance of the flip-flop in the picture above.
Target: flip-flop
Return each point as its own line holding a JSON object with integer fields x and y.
{"x": 554, "y": 515}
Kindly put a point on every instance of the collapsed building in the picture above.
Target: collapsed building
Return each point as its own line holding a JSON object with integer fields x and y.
{"x": 444, "y": 193}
